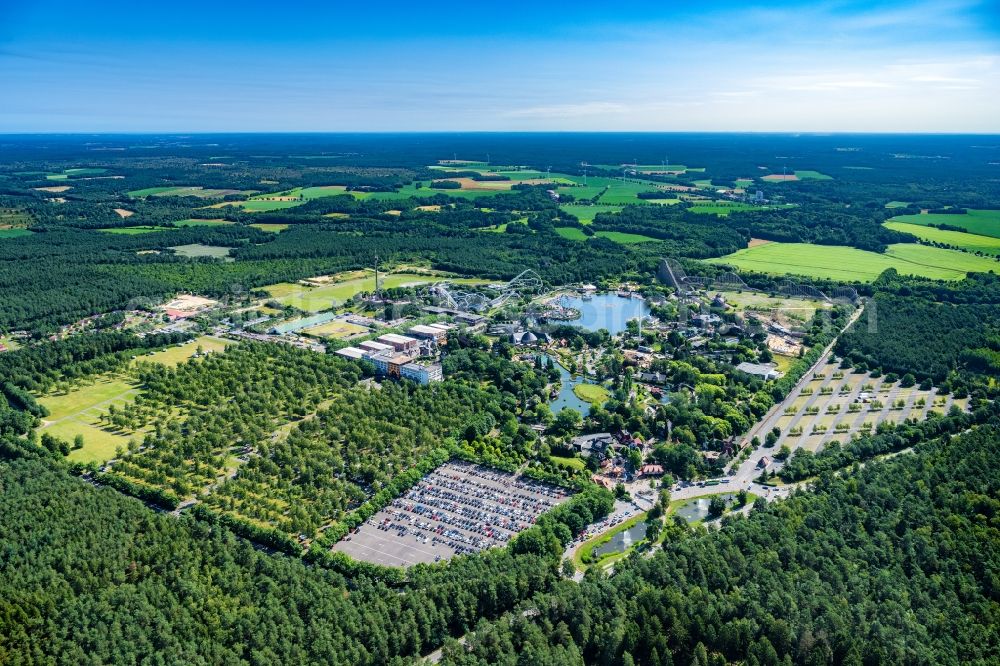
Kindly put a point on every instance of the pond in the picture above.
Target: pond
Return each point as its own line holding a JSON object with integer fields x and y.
{"x": 697, "y": 509}
{"x": 566, "y": 397}
{"x": 622, "y": 541}
{"x": 607, "y": 311}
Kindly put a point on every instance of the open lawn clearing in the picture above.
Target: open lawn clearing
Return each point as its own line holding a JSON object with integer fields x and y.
{"x": 572, "y": 463}
{"x": 591, "y": 393}
{"x": 801, "y": 309}
{"x": 78, "y": 413}
{"x": 314, "y": 299}
{"x": 123, "y": 213}
{"x": 199, "y": 250}
{"x": 273, "y": 228}
{"x": 846, "y": 263}
{"x": 586, "y": 214}
{"x": 177, "y": 354}
{"x": 572, "y": 233}
{"x": 897, "y": 204}
{"x": 780, "y": 178}
{"x": 335, "y": 329}
{"x": 975, "y": 221}
{"x": 55, "y": 189}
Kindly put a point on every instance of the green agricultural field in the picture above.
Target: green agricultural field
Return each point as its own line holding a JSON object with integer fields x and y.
{"x": 574, "y": 233}
{"x": 966, "y": 241}
{"x": 571, "y": 233}
{"x": 412, "y": 191}
{"x": 722, "y": 208}
{"x": 85, "y": 171}
{"x": 586, "y": 214}
{"x": 14, "y": 233}
{"x": 625, "y": 238}
{"x": 274, "y": 228}
{"x": 185, "y": 191}
{"x": 897, "y": 204}
{"x": 619, "y": 193}
{"x": 581, "y": 192}
{"x": 975, "y": 221}
{"x": 847, "y": 263}
{"x": 150, "y": 191}
{"x": 811, "y": 175}
{"x": 131, "y": 231}
{"x": 196, "y": 222}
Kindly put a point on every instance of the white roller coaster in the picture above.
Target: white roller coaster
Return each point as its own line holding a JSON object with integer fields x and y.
{"x": 446, "y": 295}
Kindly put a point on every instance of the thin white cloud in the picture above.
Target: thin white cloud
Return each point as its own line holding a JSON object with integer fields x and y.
{"x": 581, "y": 110}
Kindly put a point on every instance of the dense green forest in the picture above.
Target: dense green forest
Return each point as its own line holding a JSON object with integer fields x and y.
{"x": 895, "y": 563}
{"x": 93, "y": 577}
{"x": 946, "y": 334}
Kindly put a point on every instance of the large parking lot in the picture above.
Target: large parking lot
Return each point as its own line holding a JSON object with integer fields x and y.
{"x": 458, "y": 508}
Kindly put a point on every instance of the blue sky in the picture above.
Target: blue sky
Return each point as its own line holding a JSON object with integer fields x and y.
{"x": 440, "y": 65}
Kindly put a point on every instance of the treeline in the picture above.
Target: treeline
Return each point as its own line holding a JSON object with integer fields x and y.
{"x": 857, "y": 226}
{"x": 929, "y": 340}
{"x": 684, "y": 234}
{"x": 908, "y": 541}
{"x": 36, "y": 367}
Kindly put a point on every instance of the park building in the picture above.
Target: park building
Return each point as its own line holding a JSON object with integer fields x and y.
{"x": 400, "y": 343}
{"x": 422, "y": 373}
{"x": 438, "y": 334}
{"x": 376, "y": 347}
{"x": 352, "y": 353}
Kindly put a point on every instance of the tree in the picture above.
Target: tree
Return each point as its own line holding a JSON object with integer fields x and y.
{"x": 716, "y": 506}
{"x": 566, "y": 422}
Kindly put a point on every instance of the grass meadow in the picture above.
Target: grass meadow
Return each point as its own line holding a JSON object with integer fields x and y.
{"x": 849, "y": 264}
{"x": 975, "y": 221}
{"x": 966, "y": 241}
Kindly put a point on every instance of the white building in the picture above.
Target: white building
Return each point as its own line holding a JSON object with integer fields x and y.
{"x": 399, "y": 342}
{"x": 422, "y": 374}
{"x": 352, "y": 353}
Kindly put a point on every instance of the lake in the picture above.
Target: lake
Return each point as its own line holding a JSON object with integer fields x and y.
{"x": 566, "y": 397}
{"x": 697, "y": 509}
{"x": 607, "y": 311}
{"x": 623, "y": 540}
